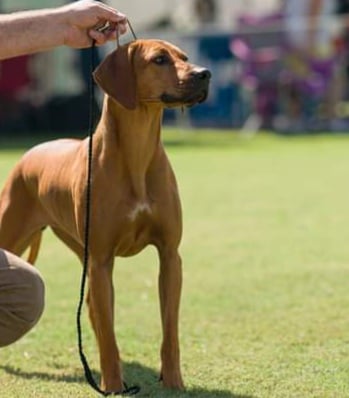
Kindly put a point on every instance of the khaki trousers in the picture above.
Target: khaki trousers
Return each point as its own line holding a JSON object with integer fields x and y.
{"x": 22, "y": 296}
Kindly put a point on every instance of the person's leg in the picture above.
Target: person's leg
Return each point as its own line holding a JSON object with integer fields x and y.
{"x": 22, "y": 294}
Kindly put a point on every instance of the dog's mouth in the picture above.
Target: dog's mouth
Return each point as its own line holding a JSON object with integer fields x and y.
{"x": 188, "y": 99}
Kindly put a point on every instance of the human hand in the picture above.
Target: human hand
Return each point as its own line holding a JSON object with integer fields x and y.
{"x": 83, "y": 19}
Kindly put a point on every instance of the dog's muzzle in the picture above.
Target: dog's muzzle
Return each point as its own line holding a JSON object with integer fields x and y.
{"x": 195, "y": 89}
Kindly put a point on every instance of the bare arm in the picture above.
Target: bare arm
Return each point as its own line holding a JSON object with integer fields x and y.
{"x": 73, "y": 25}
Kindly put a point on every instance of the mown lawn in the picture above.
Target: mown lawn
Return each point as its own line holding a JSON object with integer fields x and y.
{"x": 265, "y": 307}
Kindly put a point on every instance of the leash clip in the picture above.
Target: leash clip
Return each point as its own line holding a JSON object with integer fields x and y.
{"x": 103, "y": 28}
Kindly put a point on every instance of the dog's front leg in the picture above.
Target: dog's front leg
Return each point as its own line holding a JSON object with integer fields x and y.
{"x": 101, "y": 311}
{"x": 170, "y": 284}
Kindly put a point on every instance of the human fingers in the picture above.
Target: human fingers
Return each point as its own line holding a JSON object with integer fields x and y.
{"x": 107, "y": 26}
{"x": 106, "y": 32}
{"x": 112, "y": 15}
{"x": 99, "y": 37}
{"x": 102, "y": 37}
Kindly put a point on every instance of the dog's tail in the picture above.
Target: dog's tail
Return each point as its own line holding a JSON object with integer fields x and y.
{"x": 34, "y": 247}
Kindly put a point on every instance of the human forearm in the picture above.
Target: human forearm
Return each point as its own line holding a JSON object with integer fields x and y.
{"x": 74, "y": 25}
{"x": 30, "y": 31}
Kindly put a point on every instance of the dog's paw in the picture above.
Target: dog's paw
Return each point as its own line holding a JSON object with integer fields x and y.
{"x": 112, "y": 386}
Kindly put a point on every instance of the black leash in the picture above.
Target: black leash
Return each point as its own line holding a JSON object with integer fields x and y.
{"x": 133, "y": 390}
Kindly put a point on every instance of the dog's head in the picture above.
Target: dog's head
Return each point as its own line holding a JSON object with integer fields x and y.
{"x": 152, "y": 71}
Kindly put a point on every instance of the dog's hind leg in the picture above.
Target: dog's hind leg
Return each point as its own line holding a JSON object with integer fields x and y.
{"x": 20, "y": 220}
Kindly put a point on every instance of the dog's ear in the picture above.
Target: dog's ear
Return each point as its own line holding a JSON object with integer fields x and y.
{"x": 115, "y": 75}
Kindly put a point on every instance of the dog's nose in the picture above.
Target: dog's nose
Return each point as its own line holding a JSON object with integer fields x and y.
{"x": 201, "y": 74}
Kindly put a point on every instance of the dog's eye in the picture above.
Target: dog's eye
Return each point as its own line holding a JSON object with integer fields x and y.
{"x": 161, "y": 60}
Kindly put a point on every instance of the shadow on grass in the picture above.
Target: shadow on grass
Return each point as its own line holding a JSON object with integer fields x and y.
{"x": 44, "y": 376}
{"x": 134, "y": 373}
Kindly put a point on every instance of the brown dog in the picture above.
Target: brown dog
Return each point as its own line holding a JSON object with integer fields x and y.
{"x": 135, "y": 201}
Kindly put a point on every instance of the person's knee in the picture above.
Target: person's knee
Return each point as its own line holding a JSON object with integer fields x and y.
{"x": 35, "y": 295}
{"x": 22, "y": 297}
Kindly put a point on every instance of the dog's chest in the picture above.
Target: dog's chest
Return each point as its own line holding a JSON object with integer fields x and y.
{"x": 139, "y": 210}
{"x": 136, "y": 230}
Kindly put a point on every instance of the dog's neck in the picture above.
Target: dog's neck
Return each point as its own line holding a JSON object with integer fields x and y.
{"x": 132, "y": 137}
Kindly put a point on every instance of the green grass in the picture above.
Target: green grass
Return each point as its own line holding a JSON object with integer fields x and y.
{"x": 265, "y": 305}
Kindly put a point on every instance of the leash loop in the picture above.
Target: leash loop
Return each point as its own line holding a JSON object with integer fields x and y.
{"x": 133, "y": 390}
{"x": 118, "y": 36}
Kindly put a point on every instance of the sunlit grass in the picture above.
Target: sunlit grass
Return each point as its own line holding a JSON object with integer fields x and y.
{"x": 265, "y": 307}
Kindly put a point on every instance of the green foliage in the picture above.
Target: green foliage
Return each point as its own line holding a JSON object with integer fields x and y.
{"x": 266, "y": 267}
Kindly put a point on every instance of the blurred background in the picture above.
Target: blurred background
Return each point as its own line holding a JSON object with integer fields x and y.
{"x": 277, "y": 65}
